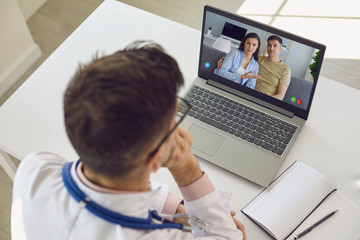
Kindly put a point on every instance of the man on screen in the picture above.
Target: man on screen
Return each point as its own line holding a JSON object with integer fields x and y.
{"x": 275, "y": 74}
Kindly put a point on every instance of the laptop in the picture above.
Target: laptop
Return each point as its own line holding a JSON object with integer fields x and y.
{"x": 239, "y": 128}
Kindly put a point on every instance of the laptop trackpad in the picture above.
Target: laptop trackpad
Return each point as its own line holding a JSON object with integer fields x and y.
{"x": 205, "y": 141}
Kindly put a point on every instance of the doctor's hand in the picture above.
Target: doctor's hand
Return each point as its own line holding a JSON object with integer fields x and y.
{"x": 238, "y": 224}
{"x": 182, "y": 163}
{"x": 180, "y": 150}
{"x": 182, "y": 220}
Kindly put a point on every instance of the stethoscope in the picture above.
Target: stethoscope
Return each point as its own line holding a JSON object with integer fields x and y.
{"x": 196, "y": 224}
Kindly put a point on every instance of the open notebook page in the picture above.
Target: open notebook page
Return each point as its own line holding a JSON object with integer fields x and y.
{"x": 345, "y": 224}
{"x": 289, "y": 200}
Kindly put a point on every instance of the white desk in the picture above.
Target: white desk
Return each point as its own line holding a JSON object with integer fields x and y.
{"x": 31, "y": 120}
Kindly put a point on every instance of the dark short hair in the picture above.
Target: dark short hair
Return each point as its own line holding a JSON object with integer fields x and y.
{"x": 118, "y": 105}
{"x": 274, "y": 37}
{"x": 251, "y": 35}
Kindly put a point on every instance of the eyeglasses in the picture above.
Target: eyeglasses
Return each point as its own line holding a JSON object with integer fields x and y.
{"x": 183, "y": 109}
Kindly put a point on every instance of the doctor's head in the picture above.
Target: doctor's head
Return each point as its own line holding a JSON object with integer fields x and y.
{"x": 118, "y": 108}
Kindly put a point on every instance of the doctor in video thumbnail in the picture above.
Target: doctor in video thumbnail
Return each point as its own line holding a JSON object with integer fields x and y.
{"x": 241, "y": 65}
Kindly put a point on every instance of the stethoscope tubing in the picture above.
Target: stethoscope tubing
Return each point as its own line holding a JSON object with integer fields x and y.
{"x": 108, "y": 215}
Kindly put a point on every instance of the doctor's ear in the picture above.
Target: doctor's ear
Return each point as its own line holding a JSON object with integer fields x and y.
{"x": 154, "y": 161}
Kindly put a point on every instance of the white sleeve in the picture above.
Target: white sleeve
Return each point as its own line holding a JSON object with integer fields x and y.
{"x": 211, "y": 210}
{"x": 162, "y": 192}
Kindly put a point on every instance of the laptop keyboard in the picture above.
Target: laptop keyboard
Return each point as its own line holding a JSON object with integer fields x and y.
{"x": 241, "y": 121}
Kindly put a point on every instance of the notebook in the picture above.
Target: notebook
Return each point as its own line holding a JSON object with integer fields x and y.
{"x": 236, "y": 122}
{"x": 284, "y": 209}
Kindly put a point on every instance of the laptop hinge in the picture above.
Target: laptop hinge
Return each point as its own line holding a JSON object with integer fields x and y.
{"x": 250, "y": 98}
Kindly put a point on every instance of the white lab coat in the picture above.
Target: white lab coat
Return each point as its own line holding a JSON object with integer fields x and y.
{"x": 43, "y": 209}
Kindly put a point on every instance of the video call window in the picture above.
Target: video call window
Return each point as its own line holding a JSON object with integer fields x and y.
{"x": 222, "y": 37}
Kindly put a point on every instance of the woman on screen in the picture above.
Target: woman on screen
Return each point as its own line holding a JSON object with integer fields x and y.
{"x": 240, "y": 65}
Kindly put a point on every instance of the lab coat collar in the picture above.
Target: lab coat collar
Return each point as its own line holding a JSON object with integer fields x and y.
{"x": 135, "y": 204}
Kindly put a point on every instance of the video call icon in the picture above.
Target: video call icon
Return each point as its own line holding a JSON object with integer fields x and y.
{"x": 298, "y": 101}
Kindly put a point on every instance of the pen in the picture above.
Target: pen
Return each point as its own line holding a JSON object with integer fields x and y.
{"x": 315, "y": 224}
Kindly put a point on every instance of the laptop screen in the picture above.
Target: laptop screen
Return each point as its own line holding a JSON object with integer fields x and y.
{"x": 269, "y": 66}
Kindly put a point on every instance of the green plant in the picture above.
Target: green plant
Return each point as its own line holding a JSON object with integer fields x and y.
{"x": 314, "y": 65}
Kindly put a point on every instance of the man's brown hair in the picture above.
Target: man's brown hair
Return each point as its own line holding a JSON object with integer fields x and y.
{"x": 117, "y": 105}
{"x": 274, "y": 37}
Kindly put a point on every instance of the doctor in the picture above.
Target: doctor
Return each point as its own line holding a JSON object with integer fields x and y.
{"x": 121, "y": 117}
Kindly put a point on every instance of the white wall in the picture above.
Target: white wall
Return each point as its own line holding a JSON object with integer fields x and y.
{"x": 29, "y": 7}
{"x": 17, "y": 48}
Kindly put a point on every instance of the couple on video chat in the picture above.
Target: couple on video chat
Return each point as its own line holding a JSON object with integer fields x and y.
{"x": 266, "y": 74}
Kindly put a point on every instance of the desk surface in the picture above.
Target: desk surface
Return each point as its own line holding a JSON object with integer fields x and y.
{"x": 31, "y": 120}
